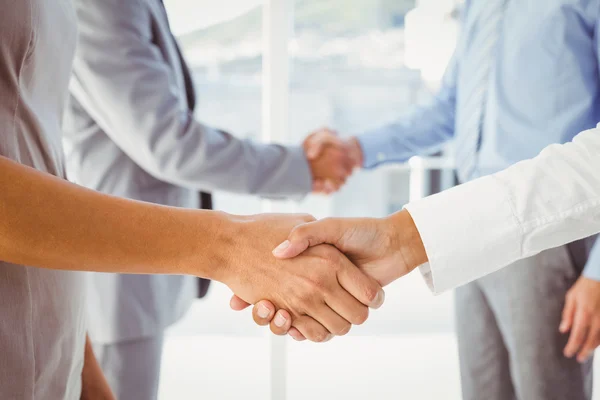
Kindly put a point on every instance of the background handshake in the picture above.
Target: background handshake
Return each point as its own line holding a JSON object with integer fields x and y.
{"x": 332, "y": 159}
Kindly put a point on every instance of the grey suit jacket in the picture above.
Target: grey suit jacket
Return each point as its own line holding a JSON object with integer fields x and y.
{"x": 129, "y": 132}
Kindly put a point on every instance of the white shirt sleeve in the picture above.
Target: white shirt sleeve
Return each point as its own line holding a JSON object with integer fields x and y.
{"x": 479, "y": 227}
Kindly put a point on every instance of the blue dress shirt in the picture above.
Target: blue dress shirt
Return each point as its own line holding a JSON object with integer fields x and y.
{"x": 545, "y": 88}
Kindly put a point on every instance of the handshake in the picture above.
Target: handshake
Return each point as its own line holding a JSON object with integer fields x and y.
{"x": 315, "y": 279}
{"x": 331, "y": 159}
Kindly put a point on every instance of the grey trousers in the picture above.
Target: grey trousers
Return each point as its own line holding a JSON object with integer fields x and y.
{"x": 132, "y": 367}
{"x": 508, "y": 338}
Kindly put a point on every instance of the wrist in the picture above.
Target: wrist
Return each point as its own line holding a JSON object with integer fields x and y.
{"x": 355, "y": 151}
{"x": 208, "y": 246}
{"x": 405, "y": 239}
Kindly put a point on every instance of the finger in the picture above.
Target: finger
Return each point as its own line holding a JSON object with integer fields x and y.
{"x": 347, "y": 307}
{"x": 329, "y": 186}
{"x": 348, "y": 165}
{"x": 238, "y": 304}
{"x": 318, "y": 186}
{"x": 332, "y": 321}
{"x": 281, "y": 324}
{"x": 296, "y": 335}
{"x": 335, "y": 185}
{"x": 364, "y": 288}
{"x": 317, "y": 142}
{"x": 263, "y": 312}
{"x": 339, "y": 167}
{"x": 311, "y": 329}
{"x": 567, "y": 316}
{"x": 339, "y": 175}
{"x": 578, "y": 334}
{"x": 302, "y": 237}
{"x": 314, "y": 150}
{"x": 592, "y": 341}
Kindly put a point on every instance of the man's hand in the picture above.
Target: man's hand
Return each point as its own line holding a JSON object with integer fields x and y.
{"x": 332, "y": 159}
{"x": 581, "y": 316}
{"x": 93, "y": 382}
{"x": 385, "y": 249}
{"x": 321, "y": 289}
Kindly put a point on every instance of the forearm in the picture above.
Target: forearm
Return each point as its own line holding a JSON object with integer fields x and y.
{"x": 423, "y": 131}
{"x": 135, "y": 101}
{"x": 479, "y": 227}
{"x": 50, "y": 223}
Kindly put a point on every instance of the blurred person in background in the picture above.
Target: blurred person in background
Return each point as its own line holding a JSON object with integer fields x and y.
{"x": 523, "y": 76}
{"x": 130, "y": 131}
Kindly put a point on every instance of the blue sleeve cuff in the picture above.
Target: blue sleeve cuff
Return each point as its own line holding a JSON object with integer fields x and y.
{"x": 378, "y": 148}
{"x": 592, "y": 267}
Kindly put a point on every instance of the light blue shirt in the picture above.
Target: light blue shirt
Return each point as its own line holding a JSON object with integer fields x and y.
{"x": 545, "y": 88}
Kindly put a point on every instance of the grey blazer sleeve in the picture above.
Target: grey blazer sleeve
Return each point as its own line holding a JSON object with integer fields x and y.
{"x": 122, "y": 80}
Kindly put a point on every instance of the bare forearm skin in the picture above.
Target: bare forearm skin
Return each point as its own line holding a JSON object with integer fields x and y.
{"x": 47, "y": 222}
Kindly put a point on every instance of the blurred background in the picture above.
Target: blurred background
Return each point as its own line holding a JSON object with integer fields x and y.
{"x": 354, "y": 65}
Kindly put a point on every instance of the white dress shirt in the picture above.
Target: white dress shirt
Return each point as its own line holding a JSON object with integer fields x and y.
{"x": 479, "y": 227}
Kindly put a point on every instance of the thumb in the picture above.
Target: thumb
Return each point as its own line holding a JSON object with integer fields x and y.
{"x": 317, "y": 142}
{"x": 237, "y": 304}
{"x": 307, "y": 235}
{"x": 314, "y": 149}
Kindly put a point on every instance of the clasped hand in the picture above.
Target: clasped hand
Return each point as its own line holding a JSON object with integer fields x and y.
{"x": 324, "y": 275}
{"x": 332, "y": 159}
{"x": 327, "y": 272}
{"x": 321, "y": 289}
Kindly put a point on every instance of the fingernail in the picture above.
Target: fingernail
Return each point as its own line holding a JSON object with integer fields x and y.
{"x": 279, "y": 320}
{"x": 568, "y": 354}
{"x": 378, "y": 302}
{"x": 263, "y": 312}
{"x": 562, "y": 327}
{"x": 281, "y": 248}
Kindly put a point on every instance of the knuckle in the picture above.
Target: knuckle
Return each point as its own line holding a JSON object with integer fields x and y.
{"x": 307, "y": 218}
{"x": 301, "y": 233}
{"x": 317, "y": 287}
{"x": 330, "y": 256}
{"x": 308, "y": 299}
{"x": 586, "y": 312}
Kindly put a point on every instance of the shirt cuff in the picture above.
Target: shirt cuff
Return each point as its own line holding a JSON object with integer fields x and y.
{"x": 468, "y": 231}
{"x": 592, "y": 267}
{"x": 376, "y": 148}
